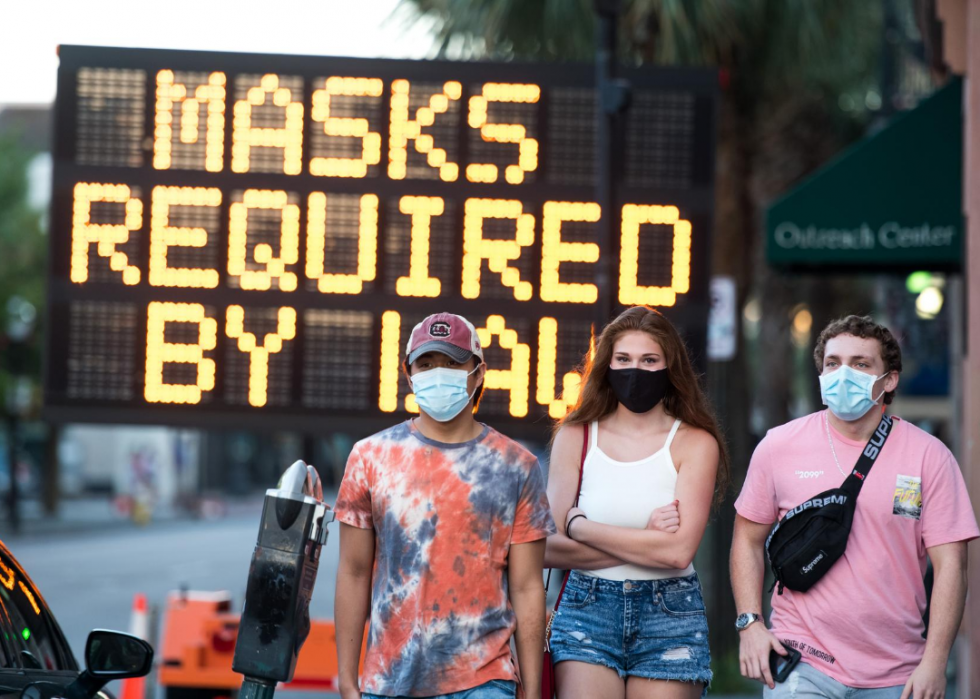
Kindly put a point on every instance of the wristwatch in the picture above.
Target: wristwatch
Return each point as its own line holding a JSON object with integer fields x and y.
{"x": 743, "y": 620}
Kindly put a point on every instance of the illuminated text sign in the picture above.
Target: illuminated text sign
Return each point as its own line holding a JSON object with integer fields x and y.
{"x": 253, "y": 237}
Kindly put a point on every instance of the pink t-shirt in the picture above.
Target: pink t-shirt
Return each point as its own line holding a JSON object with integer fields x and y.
{"x": 862, "y": 623}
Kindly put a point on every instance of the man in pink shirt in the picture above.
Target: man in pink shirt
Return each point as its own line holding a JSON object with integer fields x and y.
{"x": 860, "y": 628}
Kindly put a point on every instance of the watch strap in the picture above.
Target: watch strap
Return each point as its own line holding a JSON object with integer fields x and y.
{"x": 743, "y": 621}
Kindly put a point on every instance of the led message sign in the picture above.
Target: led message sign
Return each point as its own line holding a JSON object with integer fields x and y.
{"x": 245, "y": 239}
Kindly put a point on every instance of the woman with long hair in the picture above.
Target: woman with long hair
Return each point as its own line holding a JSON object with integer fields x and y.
{"x": 631, "y": 622}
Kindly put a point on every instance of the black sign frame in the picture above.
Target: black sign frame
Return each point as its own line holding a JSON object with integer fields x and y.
{"x": 695, "y": 200}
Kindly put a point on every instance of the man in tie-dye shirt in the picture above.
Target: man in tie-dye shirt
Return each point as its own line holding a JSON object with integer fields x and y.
{"x": 443, "y": 524}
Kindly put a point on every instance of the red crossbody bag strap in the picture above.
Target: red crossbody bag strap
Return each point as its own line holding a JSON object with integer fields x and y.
{"x": 578, "y": 492}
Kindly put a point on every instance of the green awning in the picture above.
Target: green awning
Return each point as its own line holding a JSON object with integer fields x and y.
{"x": 893, "y": 200}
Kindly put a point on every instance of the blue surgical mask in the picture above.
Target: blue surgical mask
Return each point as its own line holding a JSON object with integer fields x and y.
{"x": 441, "y": 393}
{"x": 847, "y": 392}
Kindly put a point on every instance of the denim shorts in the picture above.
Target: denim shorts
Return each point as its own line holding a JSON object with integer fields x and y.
{"x": 641, "y": 628}
{"x": 494, "y": 689}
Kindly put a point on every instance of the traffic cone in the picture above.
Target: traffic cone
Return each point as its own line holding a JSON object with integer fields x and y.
{"x": 139, "y": 625}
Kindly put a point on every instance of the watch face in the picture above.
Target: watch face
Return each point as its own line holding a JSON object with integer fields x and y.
{"x": 744, "y": 620}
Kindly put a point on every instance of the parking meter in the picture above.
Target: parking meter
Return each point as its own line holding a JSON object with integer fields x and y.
{"x": 276, "y": 615}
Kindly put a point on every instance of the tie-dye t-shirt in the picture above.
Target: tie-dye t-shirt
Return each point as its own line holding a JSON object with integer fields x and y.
{"x": 444, "y": 517}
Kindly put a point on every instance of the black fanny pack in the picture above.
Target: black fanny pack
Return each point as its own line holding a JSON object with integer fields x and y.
{"x": 813, "y": 535}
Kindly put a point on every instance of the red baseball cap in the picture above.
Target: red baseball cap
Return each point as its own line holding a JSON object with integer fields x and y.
{"x": 447, "y": 333}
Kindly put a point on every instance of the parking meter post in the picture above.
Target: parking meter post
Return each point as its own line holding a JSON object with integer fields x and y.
{"x": 276, "y": 614}
{"x": 256, "y": 689}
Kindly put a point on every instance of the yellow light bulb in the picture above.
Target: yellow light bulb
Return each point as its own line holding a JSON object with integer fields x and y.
{"x": 347, "y": 127}
{"x": 557, "y": 405}
{"x": 503, "y": 133}
{"x": 104, "y": 236}
{"x": 404, "y": 129}
{"x": 163, "y": 236}
{"x": 516, "y": 380}
{"x": 289, "y": 137}
{"x": 171, "y": 94}
{"x": 367, "y": 246}
{"x": 390, "y": 341}
{"x": 418, "y": 282}
{"x": 272, "y": 343}
{"x": 160, "y": 352}
{"x": 630, "y": 291}
{"x": 497, "y": 252}
{"x": 274, "y": 266}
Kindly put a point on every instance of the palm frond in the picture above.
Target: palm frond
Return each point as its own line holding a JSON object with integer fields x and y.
{"x": 773, "y": 47}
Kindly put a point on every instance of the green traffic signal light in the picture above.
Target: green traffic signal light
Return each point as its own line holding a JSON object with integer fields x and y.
{"x": 917, "y": 282}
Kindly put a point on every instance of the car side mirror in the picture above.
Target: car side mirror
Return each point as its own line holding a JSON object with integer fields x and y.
{"x": 110, "y": 655}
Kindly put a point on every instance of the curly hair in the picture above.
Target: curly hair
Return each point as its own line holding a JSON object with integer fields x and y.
{"x": 863, "y": 327}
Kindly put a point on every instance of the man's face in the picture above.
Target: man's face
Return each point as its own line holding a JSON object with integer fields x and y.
{"x": 438, "y": 360}
{"x": 861, "y": 354}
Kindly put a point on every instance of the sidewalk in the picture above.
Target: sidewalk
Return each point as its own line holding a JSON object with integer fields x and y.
{"x": 94, "y": 513}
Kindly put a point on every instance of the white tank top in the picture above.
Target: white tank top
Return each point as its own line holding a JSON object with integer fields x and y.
{"x": 624, "y": 494}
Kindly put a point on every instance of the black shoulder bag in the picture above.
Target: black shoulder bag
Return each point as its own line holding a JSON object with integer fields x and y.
{"x": 807, "y": 542}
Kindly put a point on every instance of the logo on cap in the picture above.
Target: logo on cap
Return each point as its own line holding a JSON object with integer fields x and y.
{"x": 440, "y": 329}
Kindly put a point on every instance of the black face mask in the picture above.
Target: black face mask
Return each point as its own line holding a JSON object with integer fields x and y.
{"x": 638, "y": 390}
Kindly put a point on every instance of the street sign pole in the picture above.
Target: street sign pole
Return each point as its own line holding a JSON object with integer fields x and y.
{"x": 612, "y": 100}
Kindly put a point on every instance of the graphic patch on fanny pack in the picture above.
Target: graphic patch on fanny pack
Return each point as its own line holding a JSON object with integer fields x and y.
{"x": 908, "y": 497}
